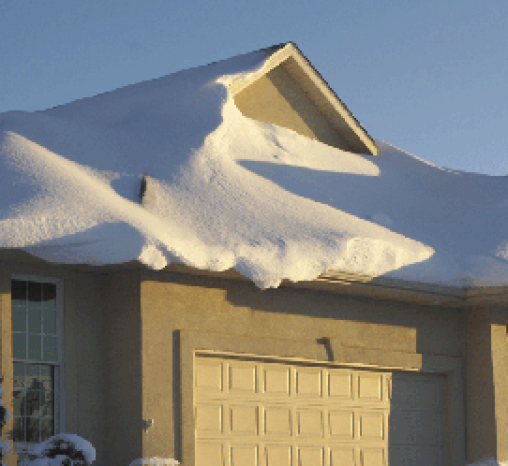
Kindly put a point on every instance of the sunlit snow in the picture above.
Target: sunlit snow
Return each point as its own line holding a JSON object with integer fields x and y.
{"x": 223, "y": 191}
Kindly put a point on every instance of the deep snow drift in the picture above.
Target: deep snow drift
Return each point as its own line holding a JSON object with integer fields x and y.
{"x": 223, "y": 191}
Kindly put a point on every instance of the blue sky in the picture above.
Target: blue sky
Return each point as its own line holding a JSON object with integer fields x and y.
{"x": 429, "y": 76}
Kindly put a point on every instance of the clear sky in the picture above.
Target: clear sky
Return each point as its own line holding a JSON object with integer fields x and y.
{"x": 428, "y": 76}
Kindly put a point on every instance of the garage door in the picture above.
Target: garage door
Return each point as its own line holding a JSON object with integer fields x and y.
{"x": 258, "y": 413}
{"x": 417, "y": 431}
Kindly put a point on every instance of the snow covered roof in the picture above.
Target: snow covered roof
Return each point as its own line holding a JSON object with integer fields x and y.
{"x": 221, "y": 191}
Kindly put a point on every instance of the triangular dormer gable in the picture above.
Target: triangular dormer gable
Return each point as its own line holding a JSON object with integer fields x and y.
{"x": 289, "y": 92}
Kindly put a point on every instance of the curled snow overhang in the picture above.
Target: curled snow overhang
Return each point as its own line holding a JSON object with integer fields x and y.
{"x": 289, "y": 92}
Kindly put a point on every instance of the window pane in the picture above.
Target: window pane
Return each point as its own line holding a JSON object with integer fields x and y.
{"x": 18, "y": 292}
{"x": 19, "y": 429}
{"x": 47, "y": 403}
{"x": 33, "y": 399}
{"x": 18, "y": 403}
{"x": 49, "y": 321}
{"x": 19, "y": 319}
{"x": 32, "y": 375}
{"x": 49, "y": 295}
{"x": 33, "y": 430}
{"x": 46, "y": 377}
{"x": 50, "y": 348}
{"x": 46, "y": 428}
{"x": 34, "y": 292}
{"x": 19, "y": 345}
{"x": 34, "y": 319}
{"x": 19, "y": 375}
{"x": 34, "y": 347}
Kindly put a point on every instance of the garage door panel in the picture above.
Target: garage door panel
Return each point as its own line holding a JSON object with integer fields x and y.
{"x": 415, "y": 392}
{"x": 430, "y": 455}
{"x": 277, "y": 380}
{"x": 278, "y": 421}
{"x": 242, "y": 379}
{"x": 209, "y": 375}
{"x": 340, "y": 385}
{"x": 210, "y": 454}
{"x": 416, "y": 427}
{"x": 341, "y": 424}
{"x": 373, "y": 457}
{"x": 310, "y": 423}
{"x": 243, "y": 419}
{"x": 308, "y": 382}
{"x": 278, "y": 455}
{"x": 244, "y": 455}
{"x": 370, "y": 387}
{"x": 372, "y": 426}
{"x": 342, "y": 456}
{"x": 417, "y": 455}
{"x": 311, "y": 456}
{"x": 210, "y": 419}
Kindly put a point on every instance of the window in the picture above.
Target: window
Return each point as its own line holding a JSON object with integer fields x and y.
{"x": 36, "y": 360}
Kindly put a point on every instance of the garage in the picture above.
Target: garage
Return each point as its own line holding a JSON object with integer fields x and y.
{"x": 252, "y": 412}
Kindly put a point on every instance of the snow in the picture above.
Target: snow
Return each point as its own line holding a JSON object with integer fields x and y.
{"x": 155, "y": 460}
{"x": 77, "y": 442}
{"x": 223, "y": 191}
{"x": 487, "y": 462}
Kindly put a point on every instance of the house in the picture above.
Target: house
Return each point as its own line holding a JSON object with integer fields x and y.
{"x": 196, "y": 362}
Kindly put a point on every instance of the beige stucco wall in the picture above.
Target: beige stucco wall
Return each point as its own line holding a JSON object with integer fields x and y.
{"x": 285, "y": 322}
{"x": 277, "y": 98}
{"x": 487, "y": 384}
{"x": 83, "y": 370}
{"x": 126, "y": 334}
{"x": 123, "y": 374}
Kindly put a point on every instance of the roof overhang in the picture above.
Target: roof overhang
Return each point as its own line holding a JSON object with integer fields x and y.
{"x": 332, "y": 281}
{"x": 291, "y": 59}
{"x": 384, "y": 288}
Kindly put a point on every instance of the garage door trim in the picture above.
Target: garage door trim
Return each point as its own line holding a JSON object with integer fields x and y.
{"x": 192, "y": 343}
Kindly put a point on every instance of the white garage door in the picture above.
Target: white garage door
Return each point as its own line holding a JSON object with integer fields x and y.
{"x": 258, "y": 413}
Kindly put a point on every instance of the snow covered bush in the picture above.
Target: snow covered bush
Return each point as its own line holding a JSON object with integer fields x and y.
{"x": 488, "y": 462}
{"x": 62, "y": 450}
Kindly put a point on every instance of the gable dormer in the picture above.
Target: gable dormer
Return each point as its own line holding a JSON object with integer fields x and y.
{"x": 289, "y": 92}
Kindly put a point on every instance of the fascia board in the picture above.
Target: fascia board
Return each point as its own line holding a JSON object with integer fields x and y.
{"x": 380, "y": 288}
{"x": 272, "y": 62}
{"x": 333, "y": 99}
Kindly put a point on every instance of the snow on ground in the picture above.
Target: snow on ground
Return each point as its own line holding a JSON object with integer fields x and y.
{"x": 223, "y": 191}
{"x": 487, "y": 462}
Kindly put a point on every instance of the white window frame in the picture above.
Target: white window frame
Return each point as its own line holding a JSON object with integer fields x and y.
{"x": 26, "y": 447}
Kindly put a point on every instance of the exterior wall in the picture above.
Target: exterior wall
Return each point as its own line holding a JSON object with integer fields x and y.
{"x": 6, "y": 358}
{"x": 130, "y": 338}
{"x": 83, "y": 371}
{"x": 210, "y": 313}
{"x": 487, "y": 384}
{"x": 277, "y": 98}
{"x": 124, "y": 378}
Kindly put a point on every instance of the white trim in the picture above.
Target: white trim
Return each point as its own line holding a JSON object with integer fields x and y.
{"x": 59, "y": 377}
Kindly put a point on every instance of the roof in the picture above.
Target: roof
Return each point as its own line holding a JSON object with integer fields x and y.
{"x": 223, "y": 191}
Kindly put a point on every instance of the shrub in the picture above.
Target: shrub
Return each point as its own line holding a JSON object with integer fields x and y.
{"x": 62, "y": 450}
